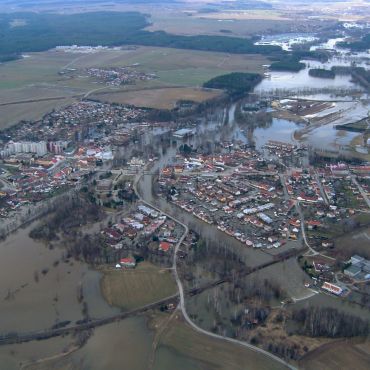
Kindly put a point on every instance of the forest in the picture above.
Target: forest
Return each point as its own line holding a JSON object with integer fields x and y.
{"x": 329, "y": 322}
{"x": 322, "y": 73}
{"x": 361, "y": 45}
{"x": 236, "y": 84}
{"x": 40, "y": 32}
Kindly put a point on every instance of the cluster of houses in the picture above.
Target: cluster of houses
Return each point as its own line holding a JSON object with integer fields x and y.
{"x": 144, "y": 223}
{"x": 119, "y": 76}
{"x": 244, "y": 200}
{"x": 45, "y": 157}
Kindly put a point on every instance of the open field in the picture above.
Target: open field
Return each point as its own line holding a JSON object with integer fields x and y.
{"x": 351, "y": 354}
{"x": 36, "y": 77}
{"x": 11, "y": 114}
{"x": 137, "y": 287}
{"x": 246, "y": 14}
{"x": 182, "y": 348}
{"x": 164, "y": 98}
{"x": 180, "y": 23}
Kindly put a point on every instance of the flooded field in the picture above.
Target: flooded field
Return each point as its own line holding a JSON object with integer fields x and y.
{"x": 38, "y": 289}
{"x": 127, "y": 342}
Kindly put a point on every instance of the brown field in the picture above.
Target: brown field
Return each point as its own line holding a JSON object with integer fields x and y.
{"x": 128, "y": 289}
{"x": 11, "y": 114}
{"x": 164, "y": 98}
{"x": 180, "y": 347}
{"x": 339, "y": 356}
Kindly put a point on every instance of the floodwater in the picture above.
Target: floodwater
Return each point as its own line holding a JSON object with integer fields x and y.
{"x": 36, "y": 292}
{"x": 123, "y": 345}
{"x": 280, "y": 130}
{"x": 12, "y": 357}
{"x": 301, "y": 80}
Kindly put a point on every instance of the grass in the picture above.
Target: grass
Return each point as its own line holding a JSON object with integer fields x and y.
{"x": 182, "y": 24}
{"x": 36, "y": 77}
{"x": 204, "y": 352}
{"x": 128, "y": 289}
{"x": 163, "y": 98}
{"x": 352, "y": 354}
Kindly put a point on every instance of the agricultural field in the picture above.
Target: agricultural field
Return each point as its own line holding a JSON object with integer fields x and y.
{"x": 259, "y": 14}
{"x": 182, "y": 348}
{"x": 163, "y": 98}
{"x": 129, "y": 289}
{"x": 341, "y": 355}
{"x": 27, "y": 85}
{"x": 181, "y": 23}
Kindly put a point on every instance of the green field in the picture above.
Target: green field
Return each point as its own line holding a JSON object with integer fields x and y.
{"x": 145, "y": 284}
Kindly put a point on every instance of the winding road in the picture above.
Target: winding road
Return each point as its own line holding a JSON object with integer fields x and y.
{"x": 182, "y": 305}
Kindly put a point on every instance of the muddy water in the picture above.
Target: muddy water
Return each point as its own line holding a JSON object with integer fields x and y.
{"x": 123, "y": 345}
{"x": 33, "y": 300}
{"x": 12, "y": 357}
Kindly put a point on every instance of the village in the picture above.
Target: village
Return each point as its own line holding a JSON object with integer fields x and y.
{"x": 42, "y": 159}
{"x": 261, "y": 198}
{"x": 267, "y": 205}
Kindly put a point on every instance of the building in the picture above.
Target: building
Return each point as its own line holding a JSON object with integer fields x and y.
{"x": 38, "y": 148}
{"x": 128, "y": 262}
{"x": 352, "y": 271}
{"x": 359, "y": 268}
{"x": 184, "y": 132}
{"x": 164, "y": 246}
{"x": 332, "y": 288}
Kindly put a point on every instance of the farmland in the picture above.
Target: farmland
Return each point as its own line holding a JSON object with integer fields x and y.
{"x": 341, "y": 355}
{"x": 37, "y": 77}
{"x": 133, "y": 288}
{"x": 180, "y": 345}
{"x": 194, "y": 25}
{"x": 163, "y": 98}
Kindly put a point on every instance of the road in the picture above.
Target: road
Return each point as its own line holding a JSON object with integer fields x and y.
{"x": 323, "y": 192}
{"x": 361, "y": 190}
{"x": 182, "y": 305}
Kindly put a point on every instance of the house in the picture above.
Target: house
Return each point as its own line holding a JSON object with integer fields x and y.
{"x": 164, "y": 246}
{"x": 128, "y": 262}
{"x": 332, "y": 288}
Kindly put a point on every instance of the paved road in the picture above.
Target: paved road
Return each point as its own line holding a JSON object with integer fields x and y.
{"x": 182, "y": 305}
{"x": 361, "y": 190}
{"x": 323, "y": 193}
